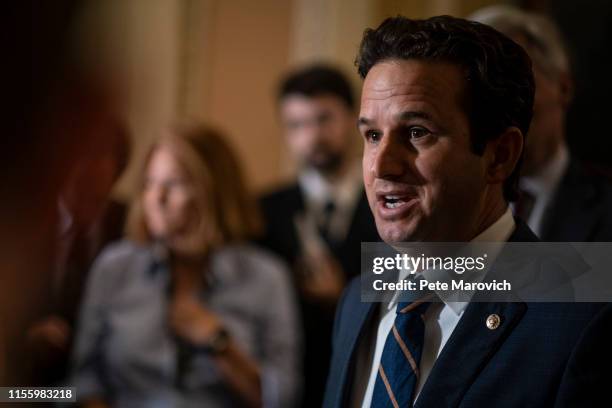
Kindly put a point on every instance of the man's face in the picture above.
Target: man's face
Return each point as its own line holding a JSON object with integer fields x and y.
{"x": 421, "y": 177}
{"x": 318, "y": 130}
{"x": 546, "y": 132}
{"x": 547, "y": 129}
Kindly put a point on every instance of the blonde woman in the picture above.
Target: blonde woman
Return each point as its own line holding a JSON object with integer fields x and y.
{"x": 185, "y": 312}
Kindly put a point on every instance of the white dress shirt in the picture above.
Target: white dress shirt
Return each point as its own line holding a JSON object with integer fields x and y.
{"x": 344, "y": 192}
{"x": 543, "y": 186}
{"x": 441, "y": 318}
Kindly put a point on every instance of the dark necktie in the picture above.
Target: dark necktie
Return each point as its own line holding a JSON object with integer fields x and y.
{"x": 326, "y": 222}
{"x": 398, "y": 373}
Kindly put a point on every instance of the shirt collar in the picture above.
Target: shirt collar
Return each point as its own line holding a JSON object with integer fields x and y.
{"x": 318, "y": 190}
{"x": 222, "y": 268}
{"x": 499, "y": 231}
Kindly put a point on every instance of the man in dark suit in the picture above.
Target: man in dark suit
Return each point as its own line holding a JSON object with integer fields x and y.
{"x": 445, "y": 106}
{"x": 562, "y": 198}
{"x": 317, "y": 224}
{"x": 88, "y": 220}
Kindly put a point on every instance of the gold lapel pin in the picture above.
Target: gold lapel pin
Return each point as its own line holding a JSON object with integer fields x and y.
{"x": 493, "y": 321}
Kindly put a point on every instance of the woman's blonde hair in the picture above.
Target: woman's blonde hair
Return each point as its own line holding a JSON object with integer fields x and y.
{"x": 227, "y": 212}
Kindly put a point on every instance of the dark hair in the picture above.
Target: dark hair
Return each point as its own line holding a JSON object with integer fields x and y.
{"x": 318, "y": 80}
{"x": 499, "y": 80}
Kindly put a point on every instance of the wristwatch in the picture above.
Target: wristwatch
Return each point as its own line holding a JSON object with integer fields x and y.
{"x": 218, "y": 342}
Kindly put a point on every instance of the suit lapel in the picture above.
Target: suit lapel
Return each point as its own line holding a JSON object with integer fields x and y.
{"x": 575, "y": 195}
{"x": 349, "y": 347}
{"x": 467, "y": 352}
{"x": 472, "y": 344}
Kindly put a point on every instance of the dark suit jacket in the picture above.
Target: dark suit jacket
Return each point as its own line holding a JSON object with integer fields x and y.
{"x": 543, "y": 354}
{"x": 581, "y": 209}
{"x": 52, "y": 368}
{"x": 279, "y": 210}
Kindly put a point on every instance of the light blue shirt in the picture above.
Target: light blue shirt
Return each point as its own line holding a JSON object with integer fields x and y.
{"x": 126, "y": 353}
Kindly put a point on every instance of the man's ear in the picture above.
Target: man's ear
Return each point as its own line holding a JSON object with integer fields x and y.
{"x": 503, "y": 154}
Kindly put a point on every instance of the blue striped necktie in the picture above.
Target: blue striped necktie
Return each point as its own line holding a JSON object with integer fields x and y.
{"x": 398, "y": 372}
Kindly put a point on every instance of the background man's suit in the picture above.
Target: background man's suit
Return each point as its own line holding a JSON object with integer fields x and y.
{"x": 581, "y": 209}
{"x": 279, "y": 209}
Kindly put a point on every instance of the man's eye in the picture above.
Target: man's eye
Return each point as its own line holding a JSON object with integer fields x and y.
{"x": 417, "y": 132}
{"x": 373, "y": 135}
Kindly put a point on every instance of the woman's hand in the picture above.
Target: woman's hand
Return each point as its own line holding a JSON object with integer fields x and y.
{"x": 192, "y": 321}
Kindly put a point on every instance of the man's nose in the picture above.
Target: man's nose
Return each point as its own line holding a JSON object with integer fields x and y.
{"x": 315, "y": 131}
{"x": 389, "y": 161}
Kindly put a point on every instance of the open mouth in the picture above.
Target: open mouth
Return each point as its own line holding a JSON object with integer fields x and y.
{"x": 394, "y": 201}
